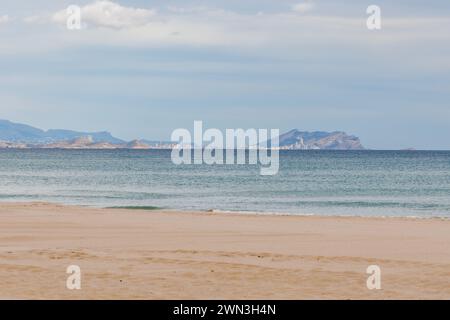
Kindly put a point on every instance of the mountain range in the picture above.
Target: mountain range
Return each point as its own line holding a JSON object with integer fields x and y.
{"x": 319, "y": 140}
{"x": 16, "y": 135}
{"x": 22, "y": 133}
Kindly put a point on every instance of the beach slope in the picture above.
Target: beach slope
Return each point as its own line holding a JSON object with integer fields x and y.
{"x": 134, "y": 254}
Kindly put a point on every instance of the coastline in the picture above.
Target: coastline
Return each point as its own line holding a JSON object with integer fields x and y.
{"x": 169, "y": 254}
{"x": 228, "y": 213}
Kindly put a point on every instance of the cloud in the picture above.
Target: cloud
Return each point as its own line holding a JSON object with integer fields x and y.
{"x": 284, "y": 35}
{"x": 182, "y": 10}
{"x": 303, "y": 7}
{"x": 110, "y": 23}
{"x": 4, "y": 19}
{"x": 110, "y": 15}
{"x": 37, "y": 19}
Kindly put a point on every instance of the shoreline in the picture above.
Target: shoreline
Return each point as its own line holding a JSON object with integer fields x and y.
{"x": 151, "y": 208}
{"x": 272, "y": 214}
{"x": 165, "y": 254}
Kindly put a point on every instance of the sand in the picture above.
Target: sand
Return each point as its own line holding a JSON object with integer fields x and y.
{"x": 133, "y": 254}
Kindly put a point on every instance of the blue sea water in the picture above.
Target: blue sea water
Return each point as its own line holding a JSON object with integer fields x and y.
{"x": 365, "y": 183}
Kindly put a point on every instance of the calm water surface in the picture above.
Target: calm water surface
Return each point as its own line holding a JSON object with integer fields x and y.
{"x": 385, "y": 183}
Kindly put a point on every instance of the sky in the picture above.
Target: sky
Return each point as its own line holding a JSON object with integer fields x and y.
{"x": 141, "y": 69}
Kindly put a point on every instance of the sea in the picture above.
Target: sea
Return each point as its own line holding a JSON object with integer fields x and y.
{"x": 309, "y": 182}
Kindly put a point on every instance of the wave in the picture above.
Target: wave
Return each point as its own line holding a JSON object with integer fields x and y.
{"x": 136, "y": 207}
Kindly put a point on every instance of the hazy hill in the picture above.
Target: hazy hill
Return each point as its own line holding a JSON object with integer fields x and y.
{"x": 320, "y": 140}
{"x": 16, "y": 135}
{"x": 17, "y": 132}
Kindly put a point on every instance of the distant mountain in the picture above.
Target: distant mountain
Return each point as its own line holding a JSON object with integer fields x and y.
{"x": 22, "y": 133}
{"x": 16, "y": 135}
{"x": 81, "y": 143}
{"x": 318, "y": 140}
{"x": 102, "y": 136}
{"x": 137, "y": 144}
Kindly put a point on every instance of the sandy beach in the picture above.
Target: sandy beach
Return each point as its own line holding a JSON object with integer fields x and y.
{"x": 134, "y": 254}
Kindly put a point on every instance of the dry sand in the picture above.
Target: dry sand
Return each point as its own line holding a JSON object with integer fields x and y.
{"x": 130, "y": 254}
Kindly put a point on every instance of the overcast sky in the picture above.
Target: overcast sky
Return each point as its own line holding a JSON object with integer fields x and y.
{"x": 141, "y": 69}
